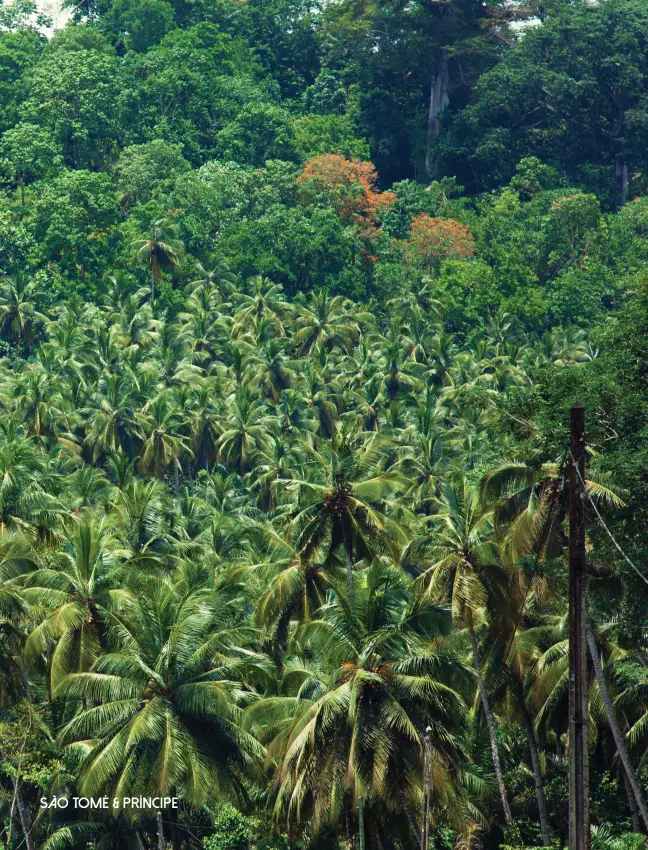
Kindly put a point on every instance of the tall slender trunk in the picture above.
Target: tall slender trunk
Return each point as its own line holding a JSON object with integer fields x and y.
{"x": 348, "y": 554}
{"x": 140, "y": 840}
{"x": 176, "y": 479}
{"x": 621, "y": 175}
{"x": 361, "y": 825}
{"x": 617, "y": 734}
{"x": 152, "y": 288}
{"x": 176, "y": 838}
{"x": 23, "y": 814}
{"x": 412, "y": 822}
{"x": 438, "y": 101}
{"x": 160, "y": 831}
{"x": 491, "y": 726}
{"x": 427, "y": 757}
{"x": 632, "y": 804}
{"x": 537, "y": 774}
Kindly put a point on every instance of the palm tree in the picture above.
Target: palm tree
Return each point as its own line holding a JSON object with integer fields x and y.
{"x": 80, "y": 587}
{"x": 140, "y": 509}
{"x": 613, "y": 722}
{"x": 18, "y": 314}
{"x": 161, "y": 249}
{"x": 203, "y": 424}
{"x": 263, "y": 300}
{"x": 531, "y": 499}
{"x": 27, "y": 489}
{"x": 355, "y": 736}
{"x": 163, "y": 703}
{"x": 328, "y": 322}
{"x": 214, "y": 281}
{"x": 341, "y": 500}
{"x": 247, "y": 429}
{"x": 291, "y": 588}
{"x": 162, "y": 444}
{"x": 111, "y": 416}
{"x": 467, "y": 571}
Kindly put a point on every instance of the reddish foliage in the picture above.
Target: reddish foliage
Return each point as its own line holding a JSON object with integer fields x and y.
{"x": 348, "y": 185}
{"x": 432, "y": 240}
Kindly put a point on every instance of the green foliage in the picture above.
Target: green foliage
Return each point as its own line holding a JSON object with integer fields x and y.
{"x": 232, "y": 830}
{"x": 294, "y": 300}
{"x": 583, "y": 113}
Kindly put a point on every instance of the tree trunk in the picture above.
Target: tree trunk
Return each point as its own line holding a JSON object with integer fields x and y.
{"x": 632, "y": 804}
{"x": 617, "y": 734}
{"x": 152, "y": 288}
{"x": 427, "y": 758}
{"x": 361, "y": 826}
{"x": 438, "y": 101}
{"x": 23, "y": 813}
{"x": 176, "y": 479}
{"x": 621, "y": 174}
{"x": 348, "y": 554}
{"x": 412, "y": 822}
{"x": 160, "y": 832}
{"x": 491, "y": 726}
{"x": 140, "y": 840}
{"x": 176, "y": 838}
{"x": 537, "y": 775}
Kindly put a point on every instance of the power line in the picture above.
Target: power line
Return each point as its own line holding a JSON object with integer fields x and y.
{"x": 602, "y": 521}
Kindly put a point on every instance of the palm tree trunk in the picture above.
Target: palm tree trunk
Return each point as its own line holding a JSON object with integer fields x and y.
{"x": 152, "y": 288}
{"x": 617, "y": 734}
{"x": 361, "y": 824}
{"x": 537, "y": 775}
{"x": 413, "y": 822}
{"x": 23, "y": 814}
{"x": 348, "y": 554}
{"x": 491, "y": 726}
{"x": 632, "y": 804}
{"x": 160, "y": 831}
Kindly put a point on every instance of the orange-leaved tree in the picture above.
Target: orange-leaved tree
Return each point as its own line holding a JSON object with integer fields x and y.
{"x": 432, "y": 240}
{"x": 349, "y": 186}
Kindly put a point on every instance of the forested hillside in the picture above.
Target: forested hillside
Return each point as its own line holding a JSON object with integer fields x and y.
{"x": 295, "y": 299}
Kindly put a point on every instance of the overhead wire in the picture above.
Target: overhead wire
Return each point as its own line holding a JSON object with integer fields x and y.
{"x": 602, "y": 521}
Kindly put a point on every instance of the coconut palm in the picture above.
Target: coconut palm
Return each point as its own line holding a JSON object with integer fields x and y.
{"x": 246, "y": 429}
{"x": 111, "y": 413}
{"x": 531, "y": 500}
{"x": 355, "y": 737}
{"x": 461, "y": 564}
{"x": 328, "y": 322}
{"x": 161, "y": 249}
{"x": 340, "y": 501}
{"x": 18, "y": 314}
{"x": 81, "y": 587}
{"x": 159, "y": 422}
{"x": 163, "y": 715}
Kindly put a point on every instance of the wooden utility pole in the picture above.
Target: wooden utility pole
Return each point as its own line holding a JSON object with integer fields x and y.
{"x": 427, "y": 746}
{"x": 579, "y": 827}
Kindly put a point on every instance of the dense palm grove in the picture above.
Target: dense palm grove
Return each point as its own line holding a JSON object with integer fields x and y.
{"x": 254, "y": 552}
{"x": 294, "y": 301}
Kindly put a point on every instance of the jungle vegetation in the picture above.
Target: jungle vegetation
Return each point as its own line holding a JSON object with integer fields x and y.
{"x": 294, "y": 301}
